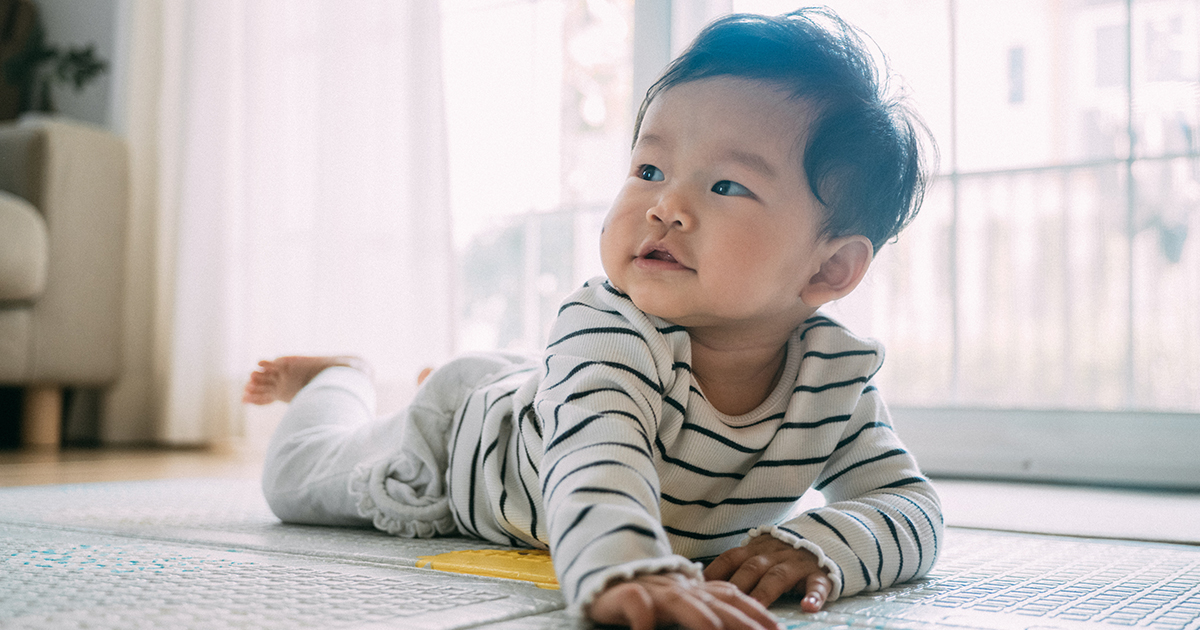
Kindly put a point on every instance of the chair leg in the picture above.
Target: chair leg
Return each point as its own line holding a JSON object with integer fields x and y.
{"x": 41, "y": 426}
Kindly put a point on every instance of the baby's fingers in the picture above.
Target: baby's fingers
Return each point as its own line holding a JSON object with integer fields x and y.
{"x": 816, "y": 592}
{"x": 776, "y": 580}
{"x": 626, "y": 604}
{"x": 647, "y": 603}
{"x": 643, "y": 607}
{"x": 726, "y": 564}
{"x": 749, "y": 612}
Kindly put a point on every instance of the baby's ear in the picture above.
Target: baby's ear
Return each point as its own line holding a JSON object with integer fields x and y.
{"x": 845, "y": 265}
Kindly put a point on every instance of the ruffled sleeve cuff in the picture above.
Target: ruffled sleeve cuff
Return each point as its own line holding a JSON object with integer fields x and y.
{"x": 823, "y": 561}
{"x": 594, "y": 584}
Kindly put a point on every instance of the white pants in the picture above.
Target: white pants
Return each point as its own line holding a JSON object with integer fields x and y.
{"x": 332, "y": 462}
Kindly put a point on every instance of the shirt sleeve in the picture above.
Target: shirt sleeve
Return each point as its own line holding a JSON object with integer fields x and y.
{"x": 882, "y": 522}
{"x": 600, "y": 401}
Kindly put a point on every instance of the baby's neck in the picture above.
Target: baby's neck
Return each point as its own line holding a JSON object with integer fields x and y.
{"x": 736, "y": 379}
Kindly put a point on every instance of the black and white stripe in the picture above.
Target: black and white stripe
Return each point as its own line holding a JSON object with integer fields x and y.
{"x": 612, "y": 458}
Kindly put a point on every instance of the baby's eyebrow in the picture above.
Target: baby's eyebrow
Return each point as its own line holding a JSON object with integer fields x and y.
{"x": 652, "y": 140}
{"x": 752, "y": 161}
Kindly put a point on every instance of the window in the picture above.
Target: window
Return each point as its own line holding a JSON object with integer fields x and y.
{"x": 539, "y": 115}
{"x": 1042, "y": 314}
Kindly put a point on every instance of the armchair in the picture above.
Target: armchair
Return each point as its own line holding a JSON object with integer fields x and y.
{"x": 64, "y": 200}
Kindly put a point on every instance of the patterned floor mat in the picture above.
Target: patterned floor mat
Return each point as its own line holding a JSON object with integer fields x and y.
{"x": 208, "y": 553}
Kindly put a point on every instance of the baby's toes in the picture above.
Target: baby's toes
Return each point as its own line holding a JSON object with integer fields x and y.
{"x": 257, "y": 395}
{"x": 265, "y": 377}
{"x": 268, "y": 367}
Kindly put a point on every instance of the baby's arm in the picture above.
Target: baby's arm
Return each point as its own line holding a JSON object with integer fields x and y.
{"x": 649, "y": 601}
{"x": 882, "y": 523}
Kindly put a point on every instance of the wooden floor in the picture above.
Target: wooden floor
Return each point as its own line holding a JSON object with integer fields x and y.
{"x": 80, "y": 465}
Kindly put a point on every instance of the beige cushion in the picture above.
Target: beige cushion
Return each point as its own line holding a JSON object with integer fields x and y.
{"x": 23, "y": 249}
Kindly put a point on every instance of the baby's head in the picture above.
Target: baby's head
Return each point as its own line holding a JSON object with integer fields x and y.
{"x": 767, "y": 169}
{"x": 861, "y": 149}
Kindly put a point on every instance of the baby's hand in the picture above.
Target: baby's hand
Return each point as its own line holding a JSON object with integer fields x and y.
{"x": 768, "y": 567}
{"x": 662, "y": 599}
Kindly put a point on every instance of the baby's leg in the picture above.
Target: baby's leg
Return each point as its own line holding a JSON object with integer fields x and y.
{"x": 328, "y": 429}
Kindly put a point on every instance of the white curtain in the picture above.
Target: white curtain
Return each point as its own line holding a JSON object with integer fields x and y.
{"x": 302, "y": 195}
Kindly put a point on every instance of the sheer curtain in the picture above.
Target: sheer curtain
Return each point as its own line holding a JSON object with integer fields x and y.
{"x": 303, "y": 197}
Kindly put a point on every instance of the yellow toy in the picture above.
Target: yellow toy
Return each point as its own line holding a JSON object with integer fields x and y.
{"x": 530, "y": 565}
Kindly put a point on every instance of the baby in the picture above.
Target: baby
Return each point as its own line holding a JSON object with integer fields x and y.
{"x": 687, "y": 400}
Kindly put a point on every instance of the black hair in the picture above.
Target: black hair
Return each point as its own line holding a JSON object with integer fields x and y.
{"x": 862, "y": 149}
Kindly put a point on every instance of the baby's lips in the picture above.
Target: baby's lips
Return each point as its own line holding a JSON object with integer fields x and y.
{"x": 657, "y": 251}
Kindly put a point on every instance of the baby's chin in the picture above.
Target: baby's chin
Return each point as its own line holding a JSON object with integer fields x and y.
{"x": 647, "y": 305}
{"x": 671, "y": 318}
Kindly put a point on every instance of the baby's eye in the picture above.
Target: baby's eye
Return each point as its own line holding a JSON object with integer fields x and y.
{"x": 731, "y": 189}
{"x": 651, "y": 173}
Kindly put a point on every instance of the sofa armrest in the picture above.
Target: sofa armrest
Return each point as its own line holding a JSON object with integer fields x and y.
{"x": 23, "y": 245}
{"x": 76, "y": 175}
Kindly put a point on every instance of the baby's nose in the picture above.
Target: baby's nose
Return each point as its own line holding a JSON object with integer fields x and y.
{"x": 672, "y": 209}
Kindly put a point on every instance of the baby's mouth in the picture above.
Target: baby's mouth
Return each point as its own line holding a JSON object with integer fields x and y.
{"x": 663, "y": 259}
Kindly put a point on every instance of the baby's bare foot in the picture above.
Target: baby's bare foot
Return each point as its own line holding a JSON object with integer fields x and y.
{"x": 284, "y": 377}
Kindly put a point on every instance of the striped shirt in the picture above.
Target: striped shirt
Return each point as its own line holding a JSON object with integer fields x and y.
{"x": 608, "y": 454}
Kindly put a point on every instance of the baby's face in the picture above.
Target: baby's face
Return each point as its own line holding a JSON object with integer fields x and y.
{"x": 715, "y": 224}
